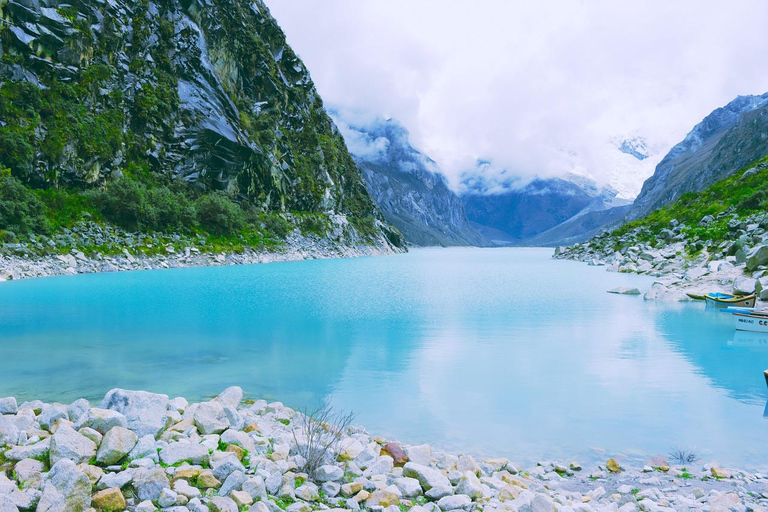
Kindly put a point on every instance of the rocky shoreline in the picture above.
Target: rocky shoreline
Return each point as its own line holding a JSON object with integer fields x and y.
{"x": 682, "y": 263}
{"x": 183, "y": 252}
{"x": 142, "y": 452}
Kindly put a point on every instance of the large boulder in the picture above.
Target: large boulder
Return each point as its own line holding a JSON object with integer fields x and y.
{"x": 68, "y": 489}
{"x": 69, "y": 444}
{"x": 210, "y": 418}
{"x": 761, "y": 288}
{"x": 427, "y": 477}
{"x": 101, "y": 420}
{"x": 117, "y": 443}
{"x": 147, "y": 413}
{"x": 230, "y": 397}
{"x": 8, "y": 405}
{"x": 7, "y": 505}
{"x": 109, "y": 499}
{"x": 149, "y": 483}
{"x": 9, "y": 433}
{"x": 744, "y": 286}
{"x": 757, "y": 256}
{"x": 194, "y": 453}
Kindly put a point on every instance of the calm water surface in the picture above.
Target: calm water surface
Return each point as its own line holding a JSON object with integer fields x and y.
{"x": 490, "y": 352}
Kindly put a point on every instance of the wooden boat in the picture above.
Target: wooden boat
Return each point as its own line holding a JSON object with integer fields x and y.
{"x": 697, "y": 296}
{"x": 724, "y": 300}
{"x": 754, "y": 322}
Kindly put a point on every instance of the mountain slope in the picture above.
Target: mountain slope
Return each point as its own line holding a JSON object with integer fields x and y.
{"x": 525, "y": 212}
{"x": 162, "y": 92}
{"x": 726, "y": 140}
{"x": 408, "y": 186}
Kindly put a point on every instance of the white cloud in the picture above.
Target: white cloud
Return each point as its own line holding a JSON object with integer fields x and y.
{"x": 536, "y": 87}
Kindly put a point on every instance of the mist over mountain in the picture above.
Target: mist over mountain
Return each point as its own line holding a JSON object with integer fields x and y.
{"x": 407, "y": 185}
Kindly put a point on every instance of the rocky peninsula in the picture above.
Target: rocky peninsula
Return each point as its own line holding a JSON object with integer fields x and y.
{"x": 141, "y": 451}
{"x": 681, "y": 261}
{"x": 80, "y": 250}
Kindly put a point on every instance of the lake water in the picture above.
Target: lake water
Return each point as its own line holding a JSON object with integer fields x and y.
{"x": 498, "y": 352}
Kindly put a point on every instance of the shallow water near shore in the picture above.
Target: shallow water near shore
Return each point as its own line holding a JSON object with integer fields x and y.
{"x": 494, "y": 352}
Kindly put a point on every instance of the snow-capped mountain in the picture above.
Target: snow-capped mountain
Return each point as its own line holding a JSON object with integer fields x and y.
{"x": 407, "y": 185}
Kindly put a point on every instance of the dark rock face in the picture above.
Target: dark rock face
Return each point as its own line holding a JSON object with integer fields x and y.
{"x": 724, "y": 142}
{"x": 206, "y": 91}
{"x": 408, "y": 187}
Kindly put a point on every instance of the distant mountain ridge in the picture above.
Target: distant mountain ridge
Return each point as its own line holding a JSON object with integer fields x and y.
{"x": 518, "y": 215}
{"x": 726, "y": 140}
{"x": 408, "y": 185}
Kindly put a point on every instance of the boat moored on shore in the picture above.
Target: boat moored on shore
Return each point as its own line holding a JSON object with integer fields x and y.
{"x": 757, "y": 321}
{"x": 724, "y": 300}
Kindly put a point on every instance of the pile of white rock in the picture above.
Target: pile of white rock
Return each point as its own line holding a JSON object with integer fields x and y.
{"x": 738, "y": 265}
{"x": 340, "y": 242}
{"x": 143, "y": 452}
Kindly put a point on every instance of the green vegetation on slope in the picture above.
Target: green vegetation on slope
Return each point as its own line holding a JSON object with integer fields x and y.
{"x": 121, "y": 120}
{"x": 739, "y": 193}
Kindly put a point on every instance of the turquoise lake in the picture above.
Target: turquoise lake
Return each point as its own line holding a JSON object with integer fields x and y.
{"x": 493, "y": 352}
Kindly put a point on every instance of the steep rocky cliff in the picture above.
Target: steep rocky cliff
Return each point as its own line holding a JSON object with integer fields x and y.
{"x": 408, "y": 186}
{"x": 725, "y": 141}
{"x": 202, "y": 91}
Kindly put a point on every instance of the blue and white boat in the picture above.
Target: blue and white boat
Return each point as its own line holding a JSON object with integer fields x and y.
{"x": 756, "y": 321}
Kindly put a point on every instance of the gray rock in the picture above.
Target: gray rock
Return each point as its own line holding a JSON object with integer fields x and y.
{"x": 329, "y": 473}
{"x": 68, "y": 489}
{"x": 146, "y": 413}
{"x": 145, "y": 447}
{"x": 51, "y": 414}
{"x": 761, "y": 288}
{"x": 757, "y": 256}
{"x": 91, "y": 434}
{"x": 30, "y": 451}
{"x": 114, "y": 480}
{"x": 167, "y": 498}
{"x": 178, "y": 404}
{"x": 210, "y": 418}
{"x": 222, "y": 504}
{"x": 184, "y": 450}
{"x": 149, "y": 483}
{"x": 69, "y": 444}
{"x": 439, "y": 491}
{"x": 234, "y": 482}
{"x": 421, "y": 454}
{"x": 744, "y": 286}
{"x": 625, "y": 290}
{"x": 230, "y": 397}
{"x": 239, "y": 438}
{"x": 470, "y": 485}
{"x": 29, "y": 473}
{"x": 255, "y": 487}
{"x": 101, "y": 420}
{"x": 77, "y": 408}
{"x": 9, "y": 433}
{"x": 8, "y": 405}
{"x": 224, "y": 466}
{"x": 6, "y": 505}
{"x": 427, "y": 477}
{"x": 332, "y": 489}
{"x": 409, "y": 487}
{"x": 117, "y": 443}
{"x": 456, "y": 502}
{"x": 308, "y": 491}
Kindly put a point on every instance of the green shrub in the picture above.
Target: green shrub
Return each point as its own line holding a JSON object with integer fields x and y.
{"x": 217, "y": 214}
{"x": 21, "y": 211}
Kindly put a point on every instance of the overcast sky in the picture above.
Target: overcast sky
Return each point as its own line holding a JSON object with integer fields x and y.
{"x": 537, "y": 87}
